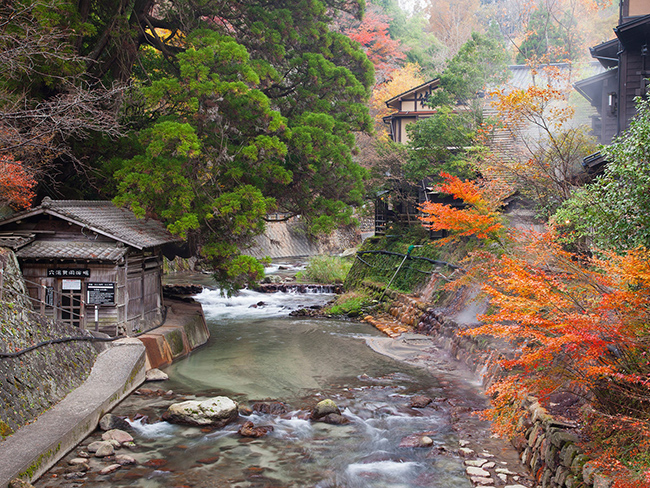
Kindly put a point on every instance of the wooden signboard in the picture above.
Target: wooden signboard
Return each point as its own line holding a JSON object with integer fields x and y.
{"x": 68, "y": 273}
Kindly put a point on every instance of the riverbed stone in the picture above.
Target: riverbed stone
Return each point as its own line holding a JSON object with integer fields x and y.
{"x": 476, "y": 462}
{"x": 323, "y": 408}
{"x": 125, "y": 459}
{"x": 217, "y": 411}
{"x": 117, "y": 435}
{"x": 482, "y": 481}
{"x": 83, "y": 467}
{"x": 474, "y": 471}
{"x": 154, "y": 374}
{"x": 110, "y": 421}
{"x": 93, "y": 446}
{"x": 77, "y": 460}
{"x": 420, "y": 401}
{"x": 110, "y": 468}
{"x": 75, "y": 475}
{"x": 415, "y": 441}
{"x": 248, "y": 429}
{"x": 272, "y": 408}
{"x": 105, "y": 449}
{"x": 465, "y": 452}
{"x": 334, "y": 419}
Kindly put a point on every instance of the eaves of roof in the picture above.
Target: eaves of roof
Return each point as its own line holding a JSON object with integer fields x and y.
{"x": 435, "y": 81}
{"x": 635, "y": 33}
{"x": 105, "y": 219}
{"x": 93, "y": 251}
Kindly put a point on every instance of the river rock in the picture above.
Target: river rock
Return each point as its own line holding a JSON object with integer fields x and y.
{"x": 105, "y": 449}
{"x": 117, "y": 435}
{"x": 249, "y": 430}
{"x": 18, "y": 483}
{"x": 74, "y": 468}
{"x": 93, "y": 446}
{"x": 416, "y": 440}
{"x": 77, "y": 460}
{"x": 125, "y": 459}
{"x": 474, "y": 471}
{"x": 155, "y": 374}
{"x": 323, "y": 408}
{"x": 420, "y": 401}
{"x": 272, "y": 408}
{"x": 110, "y": 468}
{"x": 75, "y": 475}
{"x": 217, "y": 411}
{"x": 110, "y": 421}
{"x": 334, "y": 419}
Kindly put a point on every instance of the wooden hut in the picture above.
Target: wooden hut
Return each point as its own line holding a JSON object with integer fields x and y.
{"x": 91, "y": 264}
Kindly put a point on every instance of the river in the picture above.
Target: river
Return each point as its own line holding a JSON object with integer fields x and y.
{"x": 258, "y": 352}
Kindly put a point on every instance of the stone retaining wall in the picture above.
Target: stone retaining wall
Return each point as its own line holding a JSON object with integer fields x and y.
{"x": 33, "y": 382}
{"x": 548, "y": 447}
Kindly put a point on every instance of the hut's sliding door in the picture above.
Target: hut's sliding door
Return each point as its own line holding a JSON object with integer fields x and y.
{"x": 72, "y": 307}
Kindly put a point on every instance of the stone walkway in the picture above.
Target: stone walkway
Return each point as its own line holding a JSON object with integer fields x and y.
{"x": 34, "y": 448}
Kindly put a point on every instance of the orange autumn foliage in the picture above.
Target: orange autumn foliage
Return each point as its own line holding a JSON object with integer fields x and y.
{"x": 574, "y": 324}
{"x": 16, "y": 184}
{"x": 478, "y": 218}
{"x": 578, "y": 325}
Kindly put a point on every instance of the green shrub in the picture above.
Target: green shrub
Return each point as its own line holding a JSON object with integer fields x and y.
{"x": 351, "y": 304}
{"x": 326, "y": 269}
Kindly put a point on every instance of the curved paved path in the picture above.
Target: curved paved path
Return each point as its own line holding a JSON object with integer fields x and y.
{"x": 34, "y": 448}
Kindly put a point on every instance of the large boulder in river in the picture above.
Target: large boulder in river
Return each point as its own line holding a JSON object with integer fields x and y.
{"x": 217, "y": 411}
{"x": 324, "y": 408}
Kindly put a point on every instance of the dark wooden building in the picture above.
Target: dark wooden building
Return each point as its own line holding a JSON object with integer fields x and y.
{"x": 88, "y": 260}
{"x": 627, "y": 63}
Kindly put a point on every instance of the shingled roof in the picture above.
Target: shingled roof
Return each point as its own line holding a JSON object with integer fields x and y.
{"x": 72, "y": 250}
{"x": 104, "y": 218}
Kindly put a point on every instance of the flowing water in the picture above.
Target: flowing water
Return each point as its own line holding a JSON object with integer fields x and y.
{"x": 258, "y": 352}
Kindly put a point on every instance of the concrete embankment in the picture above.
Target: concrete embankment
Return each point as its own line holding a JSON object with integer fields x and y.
{"x": 184, "y": 330}
{"x": 34, "y": 448}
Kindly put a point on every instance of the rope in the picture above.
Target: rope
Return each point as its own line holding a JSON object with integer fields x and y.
{"x": 390, "y": 253}
{"x": 393, "y": 267}
{"x": 16, "y": 354}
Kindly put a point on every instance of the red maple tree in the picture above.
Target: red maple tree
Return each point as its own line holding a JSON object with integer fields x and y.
{"x": 16, "y": 183}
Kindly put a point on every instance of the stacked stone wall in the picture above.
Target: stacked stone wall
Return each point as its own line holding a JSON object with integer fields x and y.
{"x": 33, "y": 382}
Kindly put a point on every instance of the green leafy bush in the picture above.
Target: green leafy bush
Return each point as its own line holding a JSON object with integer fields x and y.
{"x": 326, "y": 269}
{"x": 351, "y": 304}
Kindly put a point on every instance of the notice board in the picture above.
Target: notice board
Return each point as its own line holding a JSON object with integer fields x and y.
{"x": 100, "y": 293}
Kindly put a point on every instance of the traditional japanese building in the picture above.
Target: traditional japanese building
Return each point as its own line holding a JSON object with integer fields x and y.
{"x": 409, "y": 106}
{"x": 91, "y": 264}
{"x": 627, "y": 64}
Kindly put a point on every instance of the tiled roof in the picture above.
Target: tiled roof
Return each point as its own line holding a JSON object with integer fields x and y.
{"x": 100, "y": 251}
{"x": 15, "y": 241}
{"x": 105, "y": 218}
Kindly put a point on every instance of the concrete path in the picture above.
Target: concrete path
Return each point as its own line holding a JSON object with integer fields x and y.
{"x": 36, "y": 447}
